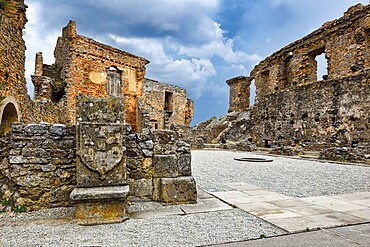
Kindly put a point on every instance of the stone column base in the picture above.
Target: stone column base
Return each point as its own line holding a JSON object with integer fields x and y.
{"x": 100, "y": 205}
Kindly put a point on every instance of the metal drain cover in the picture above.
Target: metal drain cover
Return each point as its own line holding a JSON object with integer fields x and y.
{"x": 253, "y": 159}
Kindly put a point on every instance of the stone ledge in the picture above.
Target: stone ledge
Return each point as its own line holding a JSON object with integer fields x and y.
{"x": 99, "y": 193}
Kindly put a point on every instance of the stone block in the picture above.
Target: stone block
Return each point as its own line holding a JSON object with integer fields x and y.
{"x": 100, "y": 205}
{"x": 184, "y": 165}
{"x": 175, "y": 190}
{"x": 100, "y": 110}
{"x": 141, "y": 187}
{"x": 165, "y": 166}
{"x": 37, "y": 129}
{"x": 58, "y": 130}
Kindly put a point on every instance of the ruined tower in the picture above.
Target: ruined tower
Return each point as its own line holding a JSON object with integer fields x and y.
{"x": 14, "y": 99}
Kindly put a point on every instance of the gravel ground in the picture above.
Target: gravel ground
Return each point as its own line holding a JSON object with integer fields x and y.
{"x": 211, "y": 169}
{"x": 189, "y": 230}
{"x": 292, "y": 177}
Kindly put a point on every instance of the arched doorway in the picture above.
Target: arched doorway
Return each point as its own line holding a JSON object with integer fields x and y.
{"x": 9, "y": 113}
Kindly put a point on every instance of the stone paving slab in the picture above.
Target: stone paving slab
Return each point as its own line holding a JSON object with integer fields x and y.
{"x": 334, "y": 203}
{"x": 206, "y": 205}
{"x": 299, "y": 214}
{"x": 349, "y": 236}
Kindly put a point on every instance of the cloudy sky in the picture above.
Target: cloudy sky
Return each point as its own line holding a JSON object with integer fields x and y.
{"x": 195, "y": 44}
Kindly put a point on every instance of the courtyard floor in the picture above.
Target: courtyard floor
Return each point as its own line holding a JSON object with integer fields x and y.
{"x": 237, "y": 201}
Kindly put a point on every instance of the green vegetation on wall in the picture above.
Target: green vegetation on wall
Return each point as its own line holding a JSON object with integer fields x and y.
{"x": 3, "y": 4}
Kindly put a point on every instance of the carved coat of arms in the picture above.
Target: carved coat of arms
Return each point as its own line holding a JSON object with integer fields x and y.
{"x": 101, "y": 146}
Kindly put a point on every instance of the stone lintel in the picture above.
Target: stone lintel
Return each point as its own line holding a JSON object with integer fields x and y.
{"x": 100, "y": 193}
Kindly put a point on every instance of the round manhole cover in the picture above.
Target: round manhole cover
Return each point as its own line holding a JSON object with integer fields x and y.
{"x": 253, "y": 159}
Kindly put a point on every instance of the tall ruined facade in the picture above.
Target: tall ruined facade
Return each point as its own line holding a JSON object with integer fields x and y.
{"x": 293, "y": 107}
{"x": 85, "y": 66}
{"x": 13, "y": 90}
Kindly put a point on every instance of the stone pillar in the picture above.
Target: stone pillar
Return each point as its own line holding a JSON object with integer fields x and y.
{"x": 101, "y": 170}
{"x": 239, "y": 93}
{"x": 39, "y": 64}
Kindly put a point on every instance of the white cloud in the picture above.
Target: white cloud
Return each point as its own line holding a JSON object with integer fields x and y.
{"x": 192, "y": 73}
{"x": 36, "y": 40}
{"x": 219, "y": 46}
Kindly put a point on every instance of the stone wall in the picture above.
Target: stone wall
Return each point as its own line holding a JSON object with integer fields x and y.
{"x": 38, "y": 166}
{"x": 165, "y": 104}
{"x": 12, "y": 56}
{"x": 332, "y": 113}
{"x": 293, "y": 108}
{"x": 345, "y": 43}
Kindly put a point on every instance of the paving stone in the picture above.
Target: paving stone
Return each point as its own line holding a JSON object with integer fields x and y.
{"x": 365, "y": 202}
{"x": 310, "y": 210}
{"x": 206, "y": 205}
{"x": 233, "y": 197}
{"x": 202, "y": 194}
{"x": 257, "y": 207}
{"x": 286, "y": 203}
{"x": 357, "y": 234}
{"x": 362, "y": 213}
{"x": 278, "y": 214}
{"x": 257, "y": 192}
{"x": 344, "y": 218}
{"x": 154, "y": 213}
{"x": 295, "y": 224}
{"x": 353, "y": 196}
{"x": 333, "y": 203}
{"x": 243, "y": 186}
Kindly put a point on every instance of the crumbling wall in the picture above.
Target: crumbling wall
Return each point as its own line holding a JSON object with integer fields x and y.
{"x": 12, "y": 56}
{"x": 84, "y": 66}
{"x": 344, "y": 42}
{"x": 332, "y": 113}
{"x": 166, "y": 104}
{"x": 239, "y": 95}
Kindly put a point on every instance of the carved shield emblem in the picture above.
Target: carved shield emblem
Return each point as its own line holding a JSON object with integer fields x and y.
{"x": 101, "y": 146}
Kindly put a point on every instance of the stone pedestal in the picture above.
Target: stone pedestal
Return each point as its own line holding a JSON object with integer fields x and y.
{"x": 102, "y": 187}
{"x": 100, "y": 205}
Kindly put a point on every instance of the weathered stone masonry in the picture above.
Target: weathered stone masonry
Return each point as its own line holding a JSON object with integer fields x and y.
{"x": 38, "y": 166}
{"x": 84, "y": 66}
{"x": 165, "y": 105}
{"x": 295, "y": 108}
{"x": 13, "y": 91}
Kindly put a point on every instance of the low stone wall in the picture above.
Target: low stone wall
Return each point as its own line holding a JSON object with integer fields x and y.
{"x": 159, "y": 167}
{"x": 39, "y": 170}
{"x": 38, "y": 166}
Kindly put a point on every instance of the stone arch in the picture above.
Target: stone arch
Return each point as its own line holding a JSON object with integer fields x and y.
{"x": 9, "y": 113}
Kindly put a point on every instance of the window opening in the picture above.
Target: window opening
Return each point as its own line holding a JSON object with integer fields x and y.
{"x": 113, "y": 86}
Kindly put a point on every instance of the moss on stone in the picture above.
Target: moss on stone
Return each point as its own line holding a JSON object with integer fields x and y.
{"x": 3, "y": 4}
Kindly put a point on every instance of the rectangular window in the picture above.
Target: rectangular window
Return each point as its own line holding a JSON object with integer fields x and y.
{"x": 168, "y": 101}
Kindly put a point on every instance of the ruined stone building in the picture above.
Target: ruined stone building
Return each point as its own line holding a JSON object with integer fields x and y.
{"x": 85, "y": 126}
{"x": 166, "y": 104}
{"x": 13, "y": 91}
{"x": 84, "y": 66}
{"x": 293, "y": 107}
